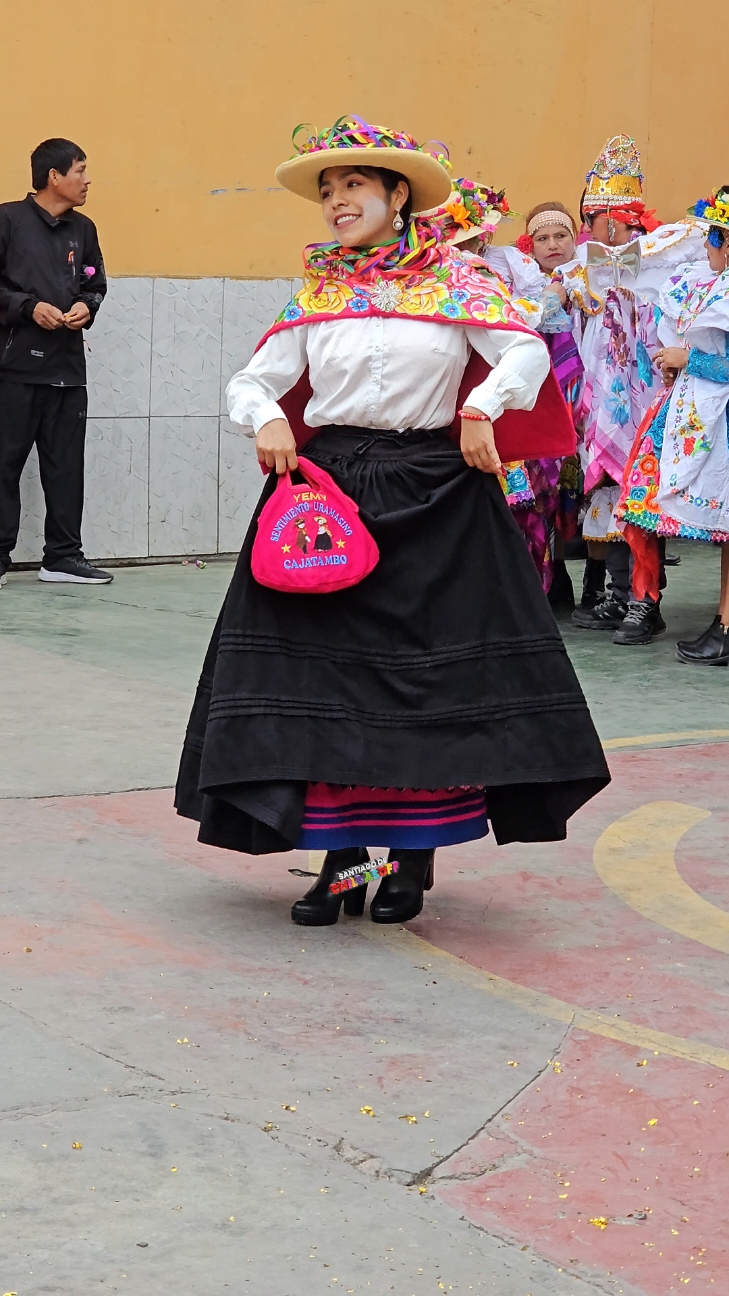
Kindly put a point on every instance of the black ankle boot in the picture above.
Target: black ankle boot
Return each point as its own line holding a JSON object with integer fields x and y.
{"x": 593, "y": 583}
{"x": 399, "y": 896}
{"x": 693, "y": 644}
{"x": 319, "y": 907}
{"x": 561, "y": 594}
{"x": 710, "y": 649}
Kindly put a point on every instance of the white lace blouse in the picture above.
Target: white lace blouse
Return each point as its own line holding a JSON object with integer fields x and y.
{"x": 388, "y": 373}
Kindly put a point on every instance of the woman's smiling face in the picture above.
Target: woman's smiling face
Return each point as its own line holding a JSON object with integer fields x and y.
{"x": 357, "y": 208}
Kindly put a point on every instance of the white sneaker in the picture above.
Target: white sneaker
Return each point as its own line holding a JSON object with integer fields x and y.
{"x": 3, "y": 579}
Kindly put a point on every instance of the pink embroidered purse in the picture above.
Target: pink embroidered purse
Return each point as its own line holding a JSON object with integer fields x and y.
{"x": 310, "y": 539}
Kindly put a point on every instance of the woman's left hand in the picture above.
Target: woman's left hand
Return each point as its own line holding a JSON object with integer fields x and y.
{"x": 557, "y": 287}
{"x": 477, "y": 443}
{"x": 671, "y": 358}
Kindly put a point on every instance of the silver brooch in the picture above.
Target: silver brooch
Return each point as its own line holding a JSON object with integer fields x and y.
{"x": 386, "y": 295}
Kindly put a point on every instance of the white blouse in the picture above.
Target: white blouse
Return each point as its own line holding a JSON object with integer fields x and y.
{"x": 388, "y": 373}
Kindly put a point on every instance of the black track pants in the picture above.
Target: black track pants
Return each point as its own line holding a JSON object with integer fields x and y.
{"x": 55, "y": 419}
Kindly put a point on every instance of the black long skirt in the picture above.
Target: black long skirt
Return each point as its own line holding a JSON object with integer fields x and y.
{"x": 443, "y": 668}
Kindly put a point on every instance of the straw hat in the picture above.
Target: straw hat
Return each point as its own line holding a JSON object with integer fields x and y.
{"x": 353, "y": 142}
{"x": 713, "y": 210}
{"x": 472, "y": 210}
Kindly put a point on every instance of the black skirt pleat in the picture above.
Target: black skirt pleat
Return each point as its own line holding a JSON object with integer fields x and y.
{"x": 443, "y": 668}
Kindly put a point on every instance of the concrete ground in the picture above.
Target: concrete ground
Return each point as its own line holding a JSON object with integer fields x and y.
{"x": 526, "y": 1093}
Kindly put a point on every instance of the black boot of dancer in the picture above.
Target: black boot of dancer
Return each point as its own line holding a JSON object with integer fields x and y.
{"x": 710, "y": 649}
{"x": 399, "y": 896}
{"x": 561, "y": 594}
{"x": 319, "y": 908}
{"x": 692, "y": 644}
{"x": 593, "y": 583}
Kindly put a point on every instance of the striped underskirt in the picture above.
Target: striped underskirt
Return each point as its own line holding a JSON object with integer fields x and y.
{"x": 336, "y": 816}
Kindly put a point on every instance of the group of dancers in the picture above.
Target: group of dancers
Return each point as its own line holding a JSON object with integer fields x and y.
{"x": 472, "y": 401}
{"x": 636, "y": 314}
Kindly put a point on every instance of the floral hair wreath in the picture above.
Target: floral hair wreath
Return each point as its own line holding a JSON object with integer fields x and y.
{"x": 355, "y": 132}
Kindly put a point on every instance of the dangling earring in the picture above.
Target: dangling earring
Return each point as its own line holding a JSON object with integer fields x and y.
{"x": 611, "y": 228}
{"x": 398, "y": 222}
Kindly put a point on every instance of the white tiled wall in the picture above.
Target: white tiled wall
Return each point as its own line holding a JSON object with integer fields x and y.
{"x": 166, "y": 471}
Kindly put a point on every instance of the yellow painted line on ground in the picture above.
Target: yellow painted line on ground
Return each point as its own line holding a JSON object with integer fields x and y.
{"x": 651, "y": 740}
{"x": 634, "y": 857}
{"x": 544, "y": 1005}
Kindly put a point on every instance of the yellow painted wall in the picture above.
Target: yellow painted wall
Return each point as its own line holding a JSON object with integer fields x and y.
{"x": 176, "y": 99}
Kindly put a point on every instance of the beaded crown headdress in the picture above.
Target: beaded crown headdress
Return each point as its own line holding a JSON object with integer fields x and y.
{"x": 616, "y": 177}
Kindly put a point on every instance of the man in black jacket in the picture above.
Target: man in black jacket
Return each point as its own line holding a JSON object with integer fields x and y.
{"x": 52, "y": 283}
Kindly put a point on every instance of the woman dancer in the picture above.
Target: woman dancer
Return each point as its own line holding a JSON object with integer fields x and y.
{"x": 468, "y": 221}
{"x": 435, "y": 695}
{"x": 614, "y": 283}
{"x": 677, "y": 479}
{"x": 550, "y": 238}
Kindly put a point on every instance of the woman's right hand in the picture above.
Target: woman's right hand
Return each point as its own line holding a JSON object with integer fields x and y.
{"x": 276, "y": 446}
{"x": 477, "y": 442}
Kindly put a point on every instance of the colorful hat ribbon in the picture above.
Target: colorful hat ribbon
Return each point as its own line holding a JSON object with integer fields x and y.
{"x": 355, "y": 132}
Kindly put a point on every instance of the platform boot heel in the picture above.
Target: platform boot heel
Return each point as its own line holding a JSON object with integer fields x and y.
{"x": 354, "y": 901}
{"x": 399, "y": 896}
{"x": 319, "y": 907}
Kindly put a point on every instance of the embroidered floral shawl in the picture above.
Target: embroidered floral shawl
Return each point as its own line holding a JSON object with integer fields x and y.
{"x": 426, "y": 280}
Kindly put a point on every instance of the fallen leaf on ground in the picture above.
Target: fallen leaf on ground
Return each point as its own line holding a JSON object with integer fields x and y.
{"x": 367, "y": 1111}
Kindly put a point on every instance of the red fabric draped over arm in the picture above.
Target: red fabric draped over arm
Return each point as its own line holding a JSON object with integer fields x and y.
{"x": 546, "y": 432}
